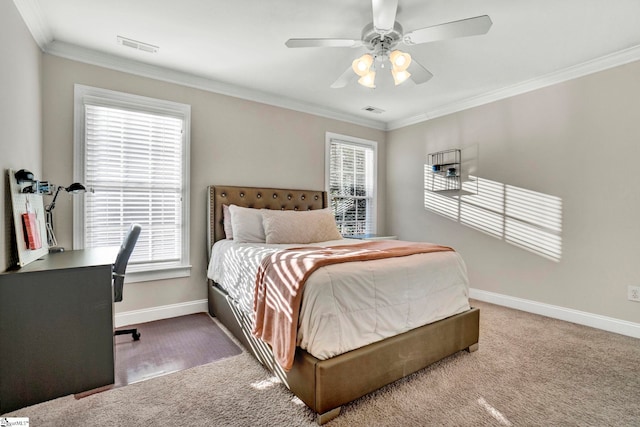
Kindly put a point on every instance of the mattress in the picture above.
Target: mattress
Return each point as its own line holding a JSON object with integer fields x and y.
{"x": 347, "y": 306}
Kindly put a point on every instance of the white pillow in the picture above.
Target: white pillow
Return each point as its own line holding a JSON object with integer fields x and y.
{"x": 246, "y": 224}
{"x": 226, "y": 220}
{"x": 299, "y": 226}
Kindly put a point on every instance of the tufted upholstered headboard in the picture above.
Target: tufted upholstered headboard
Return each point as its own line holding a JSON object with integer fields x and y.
{"x": 259, "y": 198}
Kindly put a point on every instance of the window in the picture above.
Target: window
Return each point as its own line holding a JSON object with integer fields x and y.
{"x": 132, "y": 154}
{"x": 351, "y": 177}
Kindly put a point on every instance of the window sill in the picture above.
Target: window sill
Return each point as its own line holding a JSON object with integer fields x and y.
{"x": 372, "y": 237}
{"x": 133, "y": 276}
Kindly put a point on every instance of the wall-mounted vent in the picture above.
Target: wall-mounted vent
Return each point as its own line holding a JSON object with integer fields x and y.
{"x": 146, "y": 47}
{"x": 373, "y": 110}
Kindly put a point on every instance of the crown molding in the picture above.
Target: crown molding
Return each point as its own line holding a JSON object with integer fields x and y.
{"x": 93, "y": 57}
{"x": 105, "y": 60}
{"x": 599, "y": 64}
{"x": 32, "y": 16}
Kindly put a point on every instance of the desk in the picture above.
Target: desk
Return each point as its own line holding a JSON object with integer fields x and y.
{"x": 56, "y": 327}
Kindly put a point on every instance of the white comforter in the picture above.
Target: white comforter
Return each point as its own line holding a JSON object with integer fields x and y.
{"x": 346, "y": 306}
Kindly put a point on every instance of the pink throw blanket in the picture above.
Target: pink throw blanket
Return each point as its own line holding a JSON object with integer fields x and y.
{"x": 281, "y": 278}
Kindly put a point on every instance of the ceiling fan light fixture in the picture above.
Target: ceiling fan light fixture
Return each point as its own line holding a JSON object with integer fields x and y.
{"x": 384, "y": 34}
{"x": 362, "y": 66}
{"x": 368, "y": 80}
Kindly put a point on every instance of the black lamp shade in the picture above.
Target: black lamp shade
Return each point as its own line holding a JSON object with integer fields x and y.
{"x": 75, "y": 188}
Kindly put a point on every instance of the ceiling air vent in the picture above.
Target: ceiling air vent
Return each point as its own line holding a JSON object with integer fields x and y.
{"x": 146, "y": 47}
{"x": 373, "y": 110}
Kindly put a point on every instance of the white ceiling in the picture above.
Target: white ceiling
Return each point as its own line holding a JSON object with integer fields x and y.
{"x": 237, "y": 47}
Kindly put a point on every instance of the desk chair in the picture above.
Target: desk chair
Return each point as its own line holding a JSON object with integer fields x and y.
{"x": 120, "y": 267}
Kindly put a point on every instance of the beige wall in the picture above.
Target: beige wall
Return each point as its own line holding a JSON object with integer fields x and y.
{"x": 233, "y": 142}
{"x": 20, "y": 111}
{"x": 579, "y": 141}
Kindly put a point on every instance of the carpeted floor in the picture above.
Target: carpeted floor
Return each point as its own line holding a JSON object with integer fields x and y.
{"x": 529, "y": 371}
{"x": 170, "y": 345}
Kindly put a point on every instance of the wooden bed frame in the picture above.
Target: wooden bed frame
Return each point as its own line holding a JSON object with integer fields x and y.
{"x": 326, "y": 385}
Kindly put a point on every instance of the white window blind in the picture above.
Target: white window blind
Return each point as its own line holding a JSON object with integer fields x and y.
{"x": 134, "y": 165}
{"x": 352, "y": 185}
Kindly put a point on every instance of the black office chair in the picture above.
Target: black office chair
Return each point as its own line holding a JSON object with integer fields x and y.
{"x": 119, "y": 269}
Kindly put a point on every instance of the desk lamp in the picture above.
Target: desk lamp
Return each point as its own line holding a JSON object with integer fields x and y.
{"x": 74, "y": 188}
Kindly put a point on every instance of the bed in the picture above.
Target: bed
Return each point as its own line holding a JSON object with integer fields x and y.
{"x": 324, "y": 385}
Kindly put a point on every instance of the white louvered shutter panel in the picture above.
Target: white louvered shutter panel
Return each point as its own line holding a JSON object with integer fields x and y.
{"x": 351, "y": 186}
{"x": 133, "y": 164}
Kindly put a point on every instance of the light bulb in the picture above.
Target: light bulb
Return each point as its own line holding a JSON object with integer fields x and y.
{"x": 400, "y": 76}
{"x": 368, "y": 80}
{"x": 400, "y": 60}
{"x": 362, "y": 65}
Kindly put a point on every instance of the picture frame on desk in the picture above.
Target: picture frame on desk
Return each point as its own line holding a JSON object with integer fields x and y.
{"x": 28, "y": 223}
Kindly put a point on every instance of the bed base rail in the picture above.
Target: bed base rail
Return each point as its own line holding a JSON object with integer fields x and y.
{"x": 326, "y": 385}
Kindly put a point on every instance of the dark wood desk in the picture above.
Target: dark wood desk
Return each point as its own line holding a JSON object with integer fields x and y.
{"x": 56, "y": 327}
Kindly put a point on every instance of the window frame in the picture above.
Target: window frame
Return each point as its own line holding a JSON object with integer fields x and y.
{"x": 358, "y": 142}
{"x": 109, "y": 98}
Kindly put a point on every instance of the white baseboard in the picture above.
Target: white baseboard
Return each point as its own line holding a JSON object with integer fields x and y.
{"x": 610, "y": 324}
{"x": 161, "y": 312}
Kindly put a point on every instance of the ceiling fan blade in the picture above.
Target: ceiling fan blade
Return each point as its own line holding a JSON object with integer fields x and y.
{"x": 462, "y": 28}
{"x": 419, "y": 74}
{"x": 384, "y": 15}
{"x": 347, "y": 77}
{"x": 323, "y": 43}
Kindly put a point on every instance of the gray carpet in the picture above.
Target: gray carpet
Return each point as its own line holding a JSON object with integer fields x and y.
{"x": 529, "y": 371}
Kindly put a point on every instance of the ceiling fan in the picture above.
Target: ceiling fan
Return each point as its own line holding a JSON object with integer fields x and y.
{"x": 381, "y": 38}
